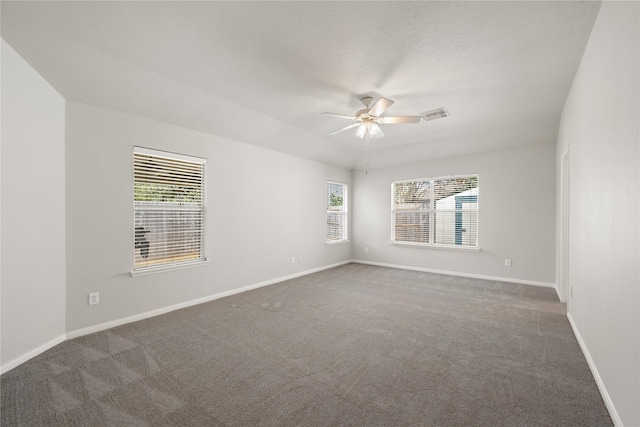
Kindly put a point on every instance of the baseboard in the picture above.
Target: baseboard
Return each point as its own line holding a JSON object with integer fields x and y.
{"x": 141, "y": 316}
{"x": 455, "y": 273}
{"x": 33, "y": 353}
{"x": 596, "y": 375}
{"x": 556, "y": 287}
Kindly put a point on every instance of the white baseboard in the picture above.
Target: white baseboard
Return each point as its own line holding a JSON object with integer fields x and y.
{"x": 113, "y": 323}
{"x": 141, "y": 316}
{"x": 33, "y": 353}
{"x": 556, "y": 287}
{"x": 455, "y": 273}
{"x": 596, "y": 375}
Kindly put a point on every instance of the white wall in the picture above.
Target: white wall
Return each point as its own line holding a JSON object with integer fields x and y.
{"x": 263, "y": 208}
{"x": 600, "y": 122}
{"x": 516, "y": 218}
{"x": 33, "y": 212}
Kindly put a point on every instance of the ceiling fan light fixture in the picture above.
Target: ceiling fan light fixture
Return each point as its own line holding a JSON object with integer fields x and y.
{"x": 362, "y": 129}
{"x": 375, "y": 131}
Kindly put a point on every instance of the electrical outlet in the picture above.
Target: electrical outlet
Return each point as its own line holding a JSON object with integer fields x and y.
{"x": 300, "y": 258}
{"x": 366, "y": 249}
{"x": 507, "y": 262}
{"x": 293, "y": 260}
{"x": 94, "y": 298}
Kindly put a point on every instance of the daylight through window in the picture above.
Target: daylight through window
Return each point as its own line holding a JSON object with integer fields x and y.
{"x": 436, "y": 211}
{"x": 336, "y": 212}
{"x": 169, "y": 209}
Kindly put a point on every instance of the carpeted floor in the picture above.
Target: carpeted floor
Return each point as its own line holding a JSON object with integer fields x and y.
{"x": 355, "y": 345}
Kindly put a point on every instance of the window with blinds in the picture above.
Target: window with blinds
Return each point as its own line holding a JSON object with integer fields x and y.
{"x": 169, "y": 209}
{"x": 336, "y": 212}
{"x": 436, "y": 211}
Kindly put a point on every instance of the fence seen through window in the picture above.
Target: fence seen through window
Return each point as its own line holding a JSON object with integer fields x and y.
{"x": 436, "y": 211}
{"x": 169, "y": 209}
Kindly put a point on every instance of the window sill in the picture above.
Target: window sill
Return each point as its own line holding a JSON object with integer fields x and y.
{"x": 165, "y": 268}
{"x": 337, "y": 242}
{"x": 431, "y": 246}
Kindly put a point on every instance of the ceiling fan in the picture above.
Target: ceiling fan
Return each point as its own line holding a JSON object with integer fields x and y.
{"x": 369, "y": 119}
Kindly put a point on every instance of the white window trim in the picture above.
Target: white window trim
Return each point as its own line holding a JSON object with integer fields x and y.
{"x": 180, "y": 265}
{"x": 345, "y": 213}
{"x": 436, "y": 246}
{"x": 169, "y": 267}
{"x": 475, "y": 248}
{"x": 337, "y": 242}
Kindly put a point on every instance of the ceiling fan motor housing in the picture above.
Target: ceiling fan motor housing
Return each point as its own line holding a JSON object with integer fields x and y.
{"x": 363, "y": 114}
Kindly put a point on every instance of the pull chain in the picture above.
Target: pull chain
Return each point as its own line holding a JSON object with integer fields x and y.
{"x": 366, "y": 148}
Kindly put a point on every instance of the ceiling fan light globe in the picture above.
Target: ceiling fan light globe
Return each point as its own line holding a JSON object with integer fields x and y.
{"x": 375, "y": 131}
{"x": 362, "y": 129}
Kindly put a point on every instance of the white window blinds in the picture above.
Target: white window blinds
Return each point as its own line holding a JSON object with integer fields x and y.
{"x": 169, "y": 209}
{"x": 436, "y": 211}
{"x": 336, "y": 212}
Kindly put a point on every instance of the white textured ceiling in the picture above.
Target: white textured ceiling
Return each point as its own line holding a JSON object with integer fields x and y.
{"x": 263, "y": 72}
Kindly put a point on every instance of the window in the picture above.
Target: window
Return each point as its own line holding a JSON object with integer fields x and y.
{"x": 336, "y": 212}
{"x": 436, "y": 211}
{"x": 169, "y": 210}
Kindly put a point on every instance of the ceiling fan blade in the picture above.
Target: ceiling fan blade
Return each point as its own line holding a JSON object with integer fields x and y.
{"x": 399, "y": 119}
{"x": 352, "y": 125}
{"x": 380, "y": 107}
{"x": 342, "y": 116}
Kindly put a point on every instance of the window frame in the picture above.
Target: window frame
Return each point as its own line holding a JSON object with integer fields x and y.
{"x": 176, "y": 207}
{"x": 344, "y": 213}
{"x": 431, "y": 211}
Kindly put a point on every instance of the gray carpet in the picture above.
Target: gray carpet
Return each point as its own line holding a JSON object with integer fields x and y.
{"x": 355, "y": 345}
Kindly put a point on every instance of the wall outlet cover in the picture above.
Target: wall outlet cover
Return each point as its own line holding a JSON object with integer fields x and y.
{"x": 94, "y": 298}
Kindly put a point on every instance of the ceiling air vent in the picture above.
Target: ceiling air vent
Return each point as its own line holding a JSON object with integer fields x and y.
{"x": 439, "y": 113}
